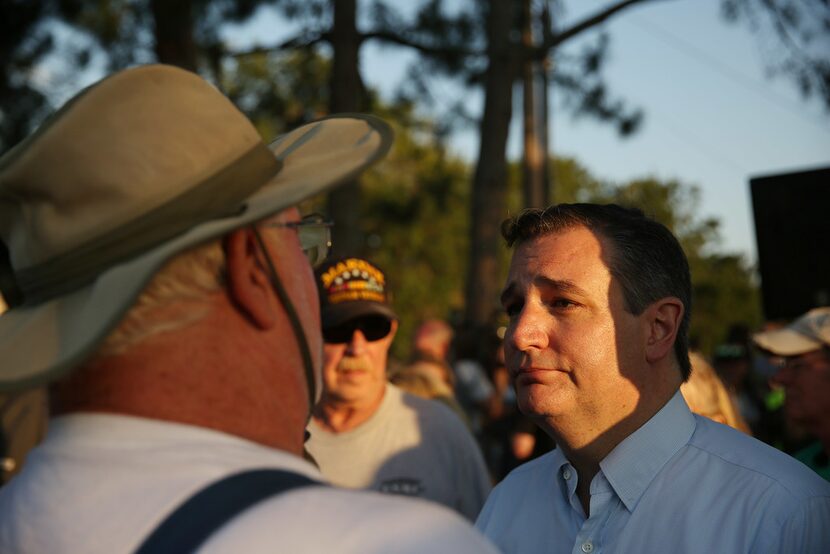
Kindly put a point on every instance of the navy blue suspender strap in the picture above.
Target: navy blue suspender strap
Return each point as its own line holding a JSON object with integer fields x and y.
{"x": 190, "y": 525}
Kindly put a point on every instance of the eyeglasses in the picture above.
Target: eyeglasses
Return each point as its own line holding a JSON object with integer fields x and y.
{"x": 802, "y": 361}
{"x": 314, "y": 233}
{"x": 373, "y": 327}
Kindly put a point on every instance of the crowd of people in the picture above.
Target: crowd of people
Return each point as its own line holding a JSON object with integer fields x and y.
{"x": 217, "y": 383}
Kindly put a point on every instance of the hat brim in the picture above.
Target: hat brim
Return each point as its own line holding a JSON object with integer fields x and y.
{"x": 41, "y": 343}
{"x": 334, "y": 315}
{"x": 785, "y": 342}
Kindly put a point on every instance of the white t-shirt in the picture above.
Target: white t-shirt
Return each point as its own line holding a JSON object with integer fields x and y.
{"x": 411, "y": 446}
{"x": 102, "y": 483}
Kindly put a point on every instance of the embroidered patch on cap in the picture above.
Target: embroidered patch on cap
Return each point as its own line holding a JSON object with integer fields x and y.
{"x": 353, "y": 279}
{"x": 351, "y": 288}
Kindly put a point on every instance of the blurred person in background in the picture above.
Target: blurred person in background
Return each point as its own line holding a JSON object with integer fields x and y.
{"x": 427, "y": 379}
{"x": 511, "y": 437}
{"x": 474, "y": 391}
{"x": 802, "y": 352}
{"x": 366, "y": 432}
{"x": 160, "y": 279}
{"x": 733, "y": 362}
{"x": 432, "y": 341}
{"x": 746, "y": 377}
{"x": 707, "y": 396}
{"x": 23, "y": 417}
{"x": 473, "y": 387}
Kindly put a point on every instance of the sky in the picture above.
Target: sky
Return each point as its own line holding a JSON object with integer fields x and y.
{"x": 713, "y": 118}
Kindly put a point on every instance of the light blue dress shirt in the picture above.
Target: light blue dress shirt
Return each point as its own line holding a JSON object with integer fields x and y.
{"x": 680, "y": 483}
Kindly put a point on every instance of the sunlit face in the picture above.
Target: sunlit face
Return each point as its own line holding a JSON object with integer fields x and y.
{"x": 354, "y": 372}
{"x": 806, "y": 382}
{"x": 570, "y": 346}
{"x": 297, "y": 277}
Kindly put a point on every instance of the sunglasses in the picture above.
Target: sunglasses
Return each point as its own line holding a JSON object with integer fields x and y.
{"x": 314, "y": 233}
{"x": 372, "y": 327}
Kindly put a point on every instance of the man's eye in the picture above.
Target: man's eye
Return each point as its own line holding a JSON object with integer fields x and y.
{"x": 562, "y": 303}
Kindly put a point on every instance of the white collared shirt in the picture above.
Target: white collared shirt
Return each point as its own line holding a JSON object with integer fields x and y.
{"x": 681, "y": 483}
{"x": 101, "y": 483}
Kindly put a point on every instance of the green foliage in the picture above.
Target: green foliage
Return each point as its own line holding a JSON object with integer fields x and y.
{"x": 573, "y": 182}
{"x": 278, "y": 91}
{"x": 723, "y": 292}
{"x": 674, "y": 205}
{"x": 415, "y": 217}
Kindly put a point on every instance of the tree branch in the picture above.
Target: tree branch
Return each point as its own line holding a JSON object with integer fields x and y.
{"x": 554, "y": 39}
{"x": 800, "y": 54}
{"x": 300, "y": 41}
{"x": 395, "y": 38}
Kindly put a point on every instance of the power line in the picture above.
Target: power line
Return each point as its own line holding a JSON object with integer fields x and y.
{"x": 703, "y": 146}
{"x": 749, "y": 83}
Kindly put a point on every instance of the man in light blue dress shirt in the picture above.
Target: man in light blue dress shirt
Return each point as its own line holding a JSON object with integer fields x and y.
{"x": 599, "y": 304}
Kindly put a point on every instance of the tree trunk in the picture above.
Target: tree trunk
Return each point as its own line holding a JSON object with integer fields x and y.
{"x": 489, "y": 191}
{"x": 544, "y": 134}
{"x": 174, "y": 33}
{"x": 535, "y": 156}
{"x": 344, "y": 203}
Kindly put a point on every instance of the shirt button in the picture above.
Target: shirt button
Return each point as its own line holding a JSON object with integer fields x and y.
{"x": 566, "y": 474}
{"x": 587, "y": 547}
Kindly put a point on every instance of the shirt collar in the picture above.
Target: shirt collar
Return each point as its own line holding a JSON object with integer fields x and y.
{"x": 558, "y": 459}
{"x": 634, "y": 463}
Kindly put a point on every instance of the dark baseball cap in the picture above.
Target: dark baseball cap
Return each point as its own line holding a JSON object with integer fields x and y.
{"x": 350, "y": 288}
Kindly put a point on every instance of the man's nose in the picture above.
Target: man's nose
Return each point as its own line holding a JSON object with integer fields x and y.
{"x": 357, "y": 344}
{"x": 527, "y": 330}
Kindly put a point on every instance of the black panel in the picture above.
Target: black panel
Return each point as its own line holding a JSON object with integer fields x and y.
{"x": 792, "y": 229}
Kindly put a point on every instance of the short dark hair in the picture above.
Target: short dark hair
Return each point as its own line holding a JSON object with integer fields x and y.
{"x": 646, "y": 258}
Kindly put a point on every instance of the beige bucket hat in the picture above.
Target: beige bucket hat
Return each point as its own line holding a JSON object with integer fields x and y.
{"x": 135, "y": 169}
{"x": 809, "y": 332}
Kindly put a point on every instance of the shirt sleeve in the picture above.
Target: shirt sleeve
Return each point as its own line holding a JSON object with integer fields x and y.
{"x": 486, "y": 512}
{"x": 808, "y": 529}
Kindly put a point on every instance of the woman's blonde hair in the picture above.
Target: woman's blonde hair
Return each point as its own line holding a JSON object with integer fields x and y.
{"x": 707, "y": 396}
{"x": 189, "y": 276}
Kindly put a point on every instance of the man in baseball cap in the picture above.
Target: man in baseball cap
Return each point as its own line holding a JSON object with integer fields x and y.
{"x": 156, "y": 278}
{"x": 366, "y": 432}
{"x": 802, "y": 350}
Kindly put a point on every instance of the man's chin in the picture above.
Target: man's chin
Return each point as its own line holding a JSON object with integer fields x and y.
{"x": 537, "y": 401}
{"x": 347, "y": 395}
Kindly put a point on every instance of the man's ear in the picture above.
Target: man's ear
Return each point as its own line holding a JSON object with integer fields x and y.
{"x": 249, "y": 285}
{"x": 664, "y": 317}
{"x": 394, "y": 330}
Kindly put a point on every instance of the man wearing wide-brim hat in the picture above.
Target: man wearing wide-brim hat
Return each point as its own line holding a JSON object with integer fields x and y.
{"x": 802, "y": 349}
{"x": 156, "y": 278}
